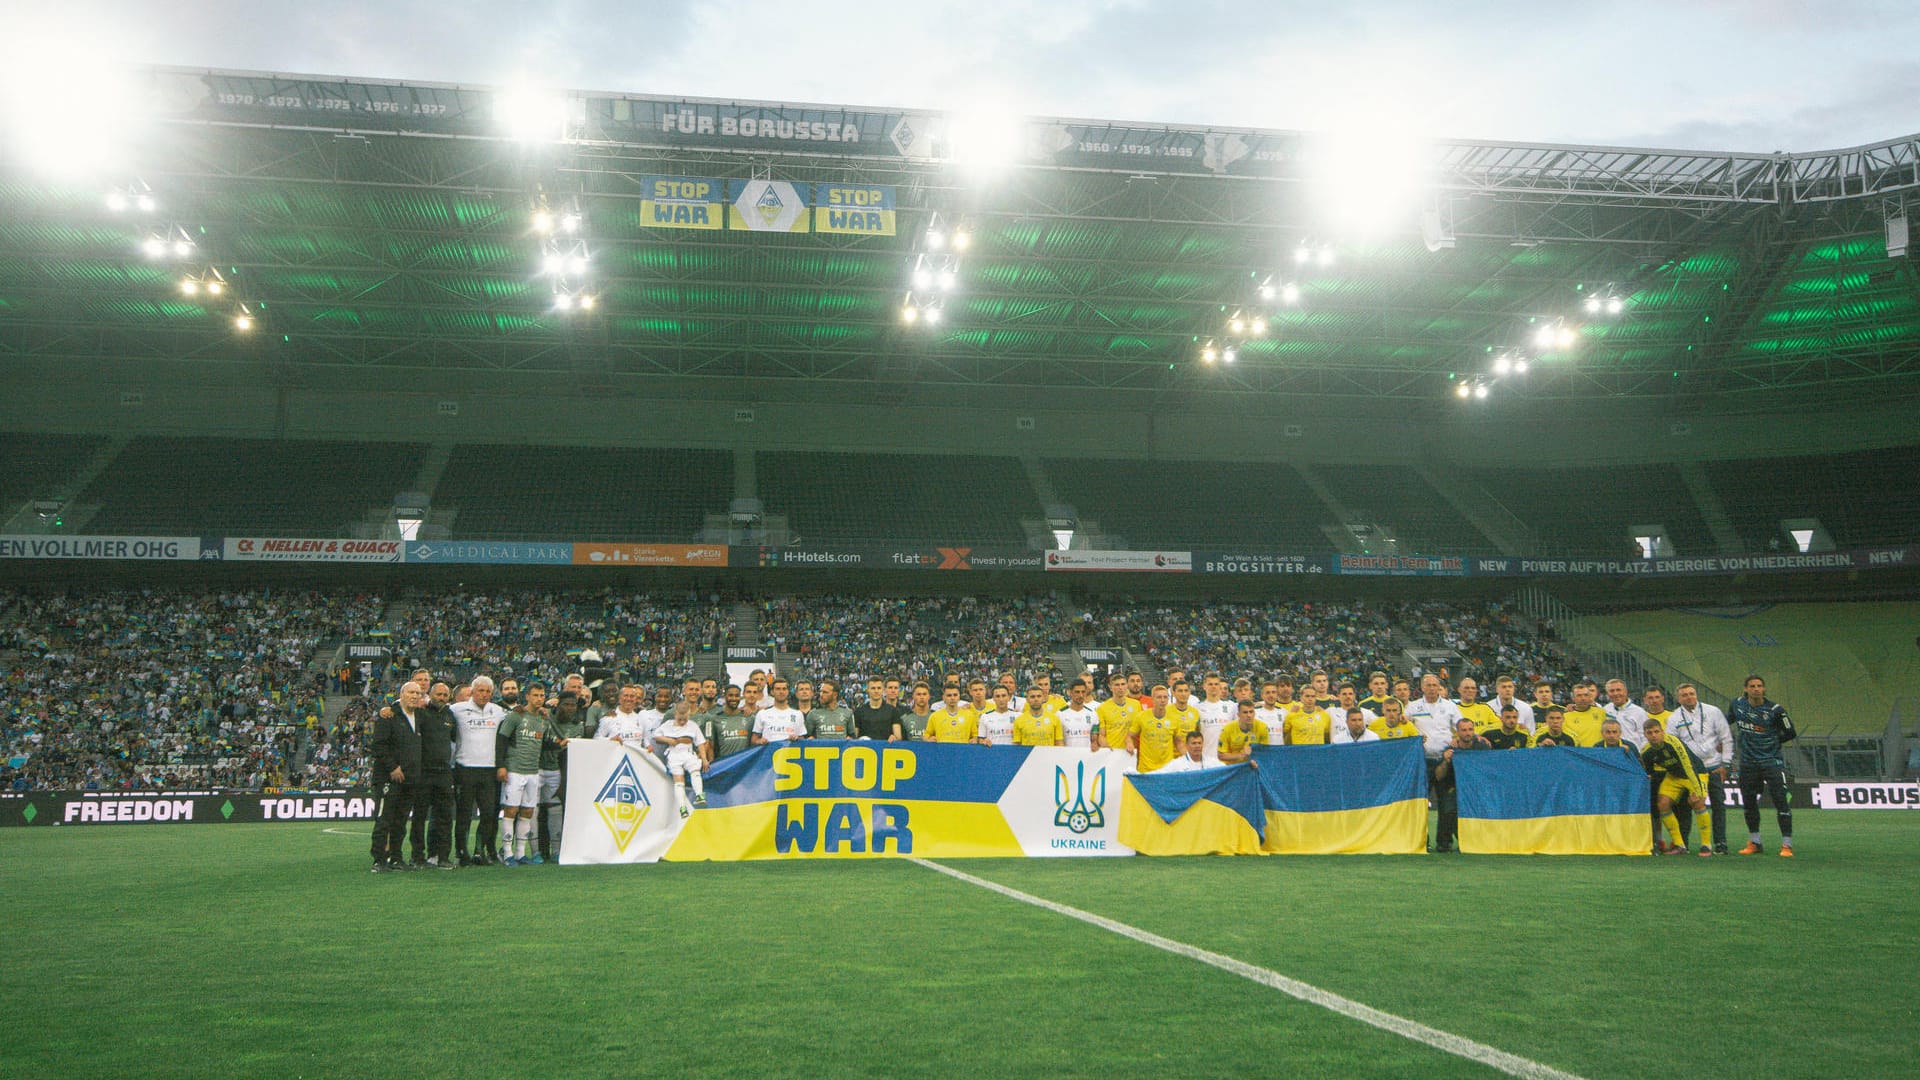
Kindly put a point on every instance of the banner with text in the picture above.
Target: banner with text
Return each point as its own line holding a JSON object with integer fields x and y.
{"x": 494, "y": 552}
{"x": 649, "y": 555}
{"x": 1165, "y": 562}
{"x": 183, "y": 807}
{"x": 100, "y": 547}
{"x": 682, "y": 202}
{"x": 853, "y": 209}
{"x": 310, "y": 549}
{"x": 838, "y": 799}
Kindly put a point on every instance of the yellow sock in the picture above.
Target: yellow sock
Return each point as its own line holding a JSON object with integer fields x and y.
{"x": 1673, "y": 829}
{"x": 1706, "y": 828}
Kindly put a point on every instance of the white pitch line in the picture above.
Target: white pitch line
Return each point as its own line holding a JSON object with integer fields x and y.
{"x": 1458, "y": 1045}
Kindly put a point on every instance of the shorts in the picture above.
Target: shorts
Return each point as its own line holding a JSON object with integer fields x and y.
{"x": 1679, "y": 791}
{"x": 682, "y": 759}
{"x": 549, "y": 786}
{"x": 521, "y": 789}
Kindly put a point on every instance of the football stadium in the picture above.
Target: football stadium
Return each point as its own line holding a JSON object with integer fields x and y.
{"x": 501, "y": 580}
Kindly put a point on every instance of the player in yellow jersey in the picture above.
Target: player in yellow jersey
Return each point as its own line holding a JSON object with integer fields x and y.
{"x": 1669, "y": 761}
{"x": 950, "y": 723}
{"x": 1472, "y": 708}
{"x": 1034, "y": 726}
{"x": 1117, "y": 713}
{"x": 977, "y": 704}
{"x": 1583, "y": 719}
{"x": 1393, "y": 722}
{"x": 1238, "y": 739}
{"x": 1050, "y": 702}
{"x": 1158, "y": 731}
{"x": 1308, "y": 724}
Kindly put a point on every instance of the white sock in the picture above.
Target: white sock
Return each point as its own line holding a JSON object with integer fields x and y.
{"x": 523, "y": 836}
{"x": 699, "y": 785}
{"x": 1754, "y": 837}
{"x": 1787, "y": 842}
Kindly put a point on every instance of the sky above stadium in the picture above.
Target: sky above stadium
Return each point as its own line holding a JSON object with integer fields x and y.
{"x": 1757, "y": 75}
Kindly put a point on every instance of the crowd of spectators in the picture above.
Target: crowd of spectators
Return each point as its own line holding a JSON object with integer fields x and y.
{"x": 536, "y": 634}
{"x": 854, "y": 638}
{"x": 162, "y": 688}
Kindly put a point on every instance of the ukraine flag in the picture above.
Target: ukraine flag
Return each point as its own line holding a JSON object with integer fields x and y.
{"x": 1209, "y": 812}
{"x": 1358, "y": 798}
{"x": 1554, "y": 801}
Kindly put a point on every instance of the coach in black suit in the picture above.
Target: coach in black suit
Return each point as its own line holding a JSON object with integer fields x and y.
{"x": 396, "y": 769}
{"x": 433, "y": 808}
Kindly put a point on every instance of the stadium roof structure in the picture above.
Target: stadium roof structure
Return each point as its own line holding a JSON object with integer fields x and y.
{"x": 387, "y": 227}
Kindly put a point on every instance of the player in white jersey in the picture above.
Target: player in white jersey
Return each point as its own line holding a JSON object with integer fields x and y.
{"x": 1272, "y": 711}
{"x": 1216, "y": 712}
{"x": 779, "y": 722}
{"x": 1078, "y": 722}
{"x": 475, "y": 722}
{"x": 628, "y": 723}
{"x": 995, "y": 726}
{"x": 681, "y": 739}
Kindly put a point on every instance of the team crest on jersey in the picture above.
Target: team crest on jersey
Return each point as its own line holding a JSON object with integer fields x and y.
{"x": 622, "y": 803}
{"x": 1076, "y": 806}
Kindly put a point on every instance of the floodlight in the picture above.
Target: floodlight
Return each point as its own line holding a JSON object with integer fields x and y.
{"x": 542, "y": 221}
{"x": 1615, "y": 305}
{"x": 936, "y": 239}
{"x": 1236, "y": 324}
{"x": 1520, "y": 366}
{"x": 1229, "y": 355}
{"x": 909, "y": 314}
{"x": 116, "y": 202}
{"x": 145, "y": 203}
{"x": 190, "y": 287}
{"x": 243, "y": 322}
{"x": 83, "y": 128}
{"x": 1502, "y": 364}
{"x": 183, "y": 247}
{"x": 962, "y": 239}
{"x": 1290, "y": 294}
{"x": 529, "y": 114}
{"x": 948, "y": 279}
{"x": 1209, "y": 354}
{"x": 1463, "y": 391}
{"x": 553, "y": 263}
{"x": 1365, "y": 180}
{"x": 216, "y": 287}
{"x": 984, "y": 140}
{"x": 1302, "y": 254}
{"x": 577, "y": 265}
{"x": 570, "y": 223}
{"x": 933, "y": 316}
{"x": 1325, "y": 257}
{"x": 562, "y": 302}
{"x": 1266, "y": 291}
{"x": 922, "y": 278}
{"x": 1565, "y": 338}
{"x": 1480, "y": 391}
{"x": 154, "y": 247}
{"x": 1592, "y": 305}
{"x": 1259, "y": 326}
{"x": 587, "y": 302}
{"x": 1543, "y": 337}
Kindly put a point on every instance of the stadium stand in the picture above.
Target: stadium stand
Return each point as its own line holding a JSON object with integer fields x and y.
{"x": 248, "y": 487}
{"x": 854, "y": 638}
{"x": 602, "y": 493}
{"x": 1863, "y": 499}
{"x": 862, "y": 498}
{"x": 539, "y": 634}
{"x": 1396, "y": 497}
{"x": 1588, "y": 511}
{"x": 32, "y": 465}
{"x": 1180, "y": 504}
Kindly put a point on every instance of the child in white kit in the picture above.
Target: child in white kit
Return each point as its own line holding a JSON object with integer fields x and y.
{"x": 683, "y": 740}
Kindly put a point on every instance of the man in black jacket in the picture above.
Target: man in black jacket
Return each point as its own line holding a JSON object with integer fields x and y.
{"x": 435, "y": 804}
{"x": 396, "y": 771}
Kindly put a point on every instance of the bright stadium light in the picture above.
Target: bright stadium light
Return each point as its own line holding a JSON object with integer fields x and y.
{"x": 1266, "y": 290}
{"x": 67, "y": 105}
{"x": 587, "y": 303}
{"x": 577, "y": 265}
{"x": 1480, "y": 391}
{"x": 530, "y": 114}
{"x": 1520, "y": 366}
{"x": 243, "y": 322}
{"x": 1502, "y": 364}
{"x": 962, "y": 239}
{"x": 1259, "y": 326}
{"x": 922, "y": 278}
{"x": 936, "y": 239}
{"x": 553, "y": 262}
{"x": 1565, "y": 337}
{"x": 190, "y": 287}
{"x": 984, "y": 140}
{"x": 1615, "y": 305}
{"x": 154, "y": 247}
{"x": 562, "y": 302}
{"x": 542, "y": 222}
{"x": 570, "y": 223}
{"x": 948, "y": 280}
{"x": 909, "y": 314}
{"x": 1290, "y": 294}
{"x": 1463, "y": 391}
{"x": 1236, "y": 325}
{"x": 1592, "y": 304}
{"x": 216, "y": 287}
{"x": 182, "y": 248}
{"x": 1229, "y": 355}
{"x": 117, "y": 202}
{"x": 1208, "y": 354}
{"x": 1544, "y": 336}
{"x": 933, "y": 316}
{"x": 1368, "y": 177}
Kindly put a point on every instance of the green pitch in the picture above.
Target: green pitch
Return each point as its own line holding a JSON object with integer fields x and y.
{"x": 269, "y": 951}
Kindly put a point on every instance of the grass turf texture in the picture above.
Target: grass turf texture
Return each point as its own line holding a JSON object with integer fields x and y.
{"x": 269, "y": 950}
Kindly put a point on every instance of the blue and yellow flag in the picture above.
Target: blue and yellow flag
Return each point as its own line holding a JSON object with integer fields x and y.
{"x": 1554, "y": 801}
{"x": 1209, "y": 812}
{"x": 682, "y": 202}
{"x": 1357, "y": 798}
{"x": 858, "y": 209}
